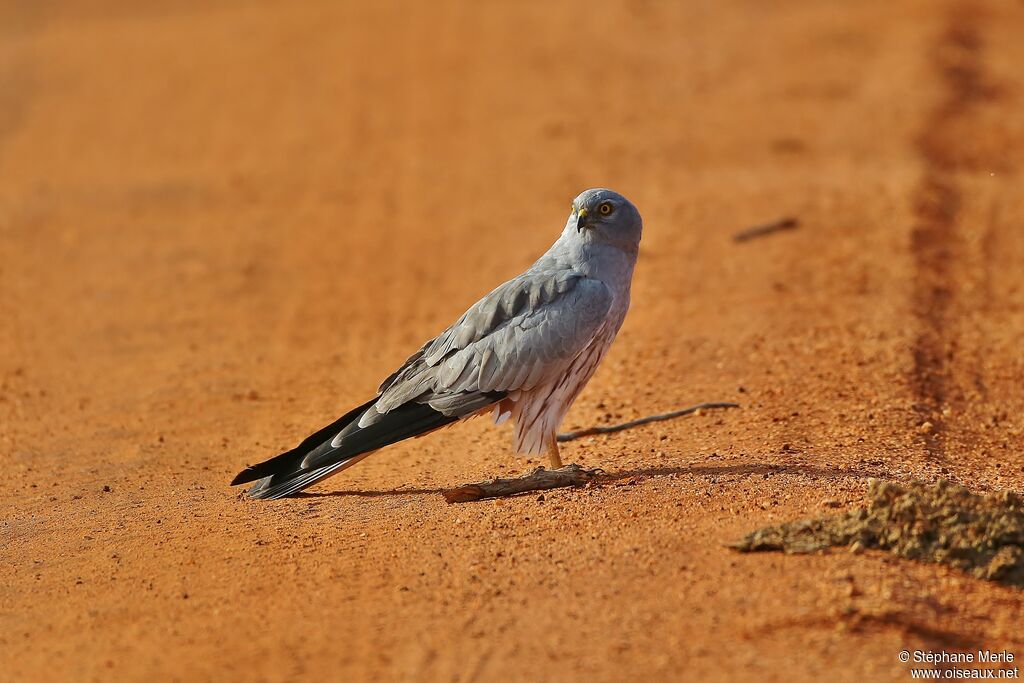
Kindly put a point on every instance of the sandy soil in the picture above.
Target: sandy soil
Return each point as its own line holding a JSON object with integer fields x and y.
{"x": 222, "y": 223}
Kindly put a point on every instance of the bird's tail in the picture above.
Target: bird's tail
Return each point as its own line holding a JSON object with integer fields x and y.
{"x": 340, "y": 444}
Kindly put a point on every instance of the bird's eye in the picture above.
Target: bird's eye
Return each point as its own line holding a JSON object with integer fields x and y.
{"x": 605, "y": 209}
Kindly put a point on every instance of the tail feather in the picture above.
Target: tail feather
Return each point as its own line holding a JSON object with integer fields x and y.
{"x": 321, "y": 454}
{"x": 277, "y": 487}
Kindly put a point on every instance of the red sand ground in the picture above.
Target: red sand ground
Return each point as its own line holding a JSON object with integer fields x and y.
{"x": 222, "y": 223}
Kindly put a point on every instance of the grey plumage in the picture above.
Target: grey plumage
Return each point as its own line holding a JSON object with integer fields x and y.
{"x": 525, "y": 350}
{"x": 519, "y": 333}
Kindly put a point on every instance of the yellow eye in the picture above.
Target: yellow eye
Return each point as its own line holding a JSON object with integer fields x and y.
{"x": 605, "y": 209}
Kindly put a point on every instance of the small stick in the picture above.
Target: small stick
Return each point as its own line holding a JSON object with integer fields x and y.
{"x": 644, "y": 420}
{"x": 539, "y": 479}
{"x": 766, "y": 229}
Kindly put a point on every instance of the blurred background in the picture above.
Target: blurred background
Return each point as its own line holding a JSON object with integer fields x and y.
{"x": 222, "y": 223}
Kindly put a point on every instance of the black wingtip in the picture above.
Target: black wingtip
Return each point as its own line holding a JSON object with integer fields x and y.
{"x": 289, "y": 460}
{"x": 318, "y": 457}
{"x": 245, "y": 476}
{"x": 285, "y": 462}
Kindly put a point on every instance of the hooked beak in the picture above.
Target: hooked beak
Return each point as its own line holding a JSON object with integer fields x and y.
{"x": 581, "y": 220}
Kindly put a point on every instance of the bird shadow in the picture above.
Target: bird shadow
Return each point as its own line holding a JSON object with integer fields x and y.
{"x": 638, "y": 475}
{"x": 745, "y": 469}
{"x": 367, "y": 494}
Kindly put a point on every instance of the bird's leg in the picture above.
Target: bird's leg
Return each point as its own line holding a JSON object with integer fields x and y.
{"x": 553, "y": 456}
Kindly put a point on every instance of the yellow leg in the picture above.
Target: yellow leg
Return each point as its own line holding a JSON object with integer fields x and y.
{"x": 553, "y": 457}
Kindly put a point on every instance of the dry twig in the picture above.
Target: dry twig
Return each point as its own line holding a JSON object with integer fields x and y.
{"x": 542, "y": 479}
{"x": 644, "y": 420}
{"x": 539, "y": 479}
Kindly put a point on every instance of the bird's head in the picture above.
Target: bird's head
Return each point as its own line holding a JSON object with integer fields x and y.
{"x": 606, "y": 217}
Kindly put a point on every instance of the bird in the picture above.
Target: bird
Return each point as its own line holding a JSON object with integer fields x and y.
{"x": 523, "y": 353}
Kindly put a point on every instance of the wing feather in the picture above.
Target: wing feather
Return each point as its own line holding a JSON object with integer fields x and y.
{"x": 524, "y": 332}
